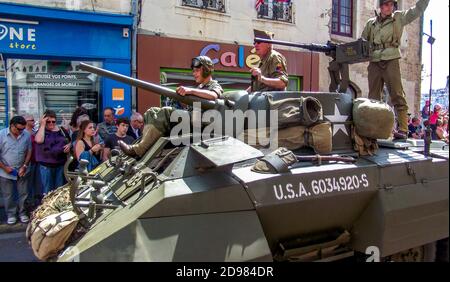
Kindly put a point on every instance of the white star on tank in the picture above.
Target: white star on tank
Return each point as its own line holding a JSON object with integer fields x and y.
{"x": 337, "y": 118}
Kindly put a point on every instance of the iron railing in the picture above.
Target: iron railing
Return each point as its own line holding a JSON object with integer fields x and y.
{"x": 214, "y": 5}
{"x": 277, "y": 11}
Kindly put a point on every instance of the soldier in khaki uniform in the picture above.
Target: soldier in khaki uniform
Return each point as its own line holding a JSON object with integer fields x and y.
{"x": 384, "y": 32}
{"x": 271, "y": 75}
{"x": 157, "y": 119}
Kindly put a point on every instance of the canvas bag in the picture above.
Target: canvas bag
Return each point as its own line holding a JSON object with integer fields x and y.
{"x": 49, "y": 235}
{"x": 297, "y": 111}
{"x": 320, "y": 138}
{"x": 373, "y": 119}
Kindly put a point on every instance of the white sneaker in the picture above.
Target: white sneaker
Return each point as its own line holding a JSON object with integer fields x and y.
{"x": 24, "y": 218}
{"x": 12, "y": 220}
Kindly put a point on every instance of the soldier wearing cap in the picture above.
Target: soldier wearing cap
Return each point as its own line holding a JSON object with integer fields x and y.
{"x": 157, "y": 119}
{"x": 384, "y": 32}
{"x": 271, "y": 75}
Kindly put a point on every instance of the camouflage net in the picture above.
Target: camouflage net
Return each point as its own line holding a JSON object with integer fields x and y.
{"x": 363, "y": 145}
{"x": 54, "y": 202}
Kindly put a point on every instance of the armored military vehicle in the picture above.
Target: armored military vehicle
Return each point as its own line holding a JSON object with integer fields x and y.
{"x": 204, "y": 202}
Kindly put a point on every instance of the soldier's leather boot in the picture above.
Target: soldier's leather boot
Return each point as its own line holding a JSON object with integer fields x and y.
{"x": 400, "y": 135}
{"x": 148, "y": 139}
{"x": 127, "y": 149}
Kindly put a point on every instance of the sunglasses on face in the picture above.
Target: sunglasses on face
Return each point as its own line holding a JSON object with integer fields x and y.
{"x": 51, "y": 121}
{"x": 19, "y": 129}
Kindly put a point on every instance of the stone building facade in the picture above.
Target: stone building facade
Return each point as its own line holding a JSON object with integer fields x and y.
{"x": 107, "y": 6}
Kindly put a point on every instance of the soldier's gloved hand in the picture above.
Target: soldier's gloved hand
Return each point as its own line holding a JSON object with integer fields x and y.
{"x": 183, "y": 91}
{"x": 256, "y": 72}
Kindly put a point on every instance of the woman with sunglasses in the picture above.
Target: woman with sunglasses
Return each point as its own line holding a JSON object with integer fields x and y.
{"x": 52, "y": 146}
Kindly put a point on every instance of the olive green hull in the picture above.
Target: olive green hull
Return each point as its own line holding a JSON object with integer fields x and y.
{"x": 239, "y": 215}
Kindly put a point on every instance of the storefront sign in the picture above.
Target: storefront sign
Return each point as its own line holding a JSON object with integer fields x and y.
{"x": 118, "y": 94}
{"x": 119, "y": 110}
{"x": 62, "y": 38}
{"x": 231, "y": 59}
{"x": 50, "y": 80}
{"x": 17, "y": 36}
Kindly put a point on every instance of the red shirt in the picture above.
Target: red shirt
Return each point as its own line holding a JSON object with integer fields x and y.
{"x": 434, "y": 118}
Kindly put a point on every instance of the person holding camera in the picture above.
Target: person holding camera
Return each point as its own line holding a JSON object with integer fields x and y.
{"x": 52, "y": 147}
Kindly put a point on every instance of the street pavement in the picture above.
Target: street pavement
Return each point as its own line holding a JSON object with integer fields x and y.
{"x": 15, "y": 248}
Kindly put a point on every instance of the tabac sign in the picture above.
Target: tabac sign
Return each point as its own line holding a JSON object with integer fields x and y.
{"x": 18, "y": 35}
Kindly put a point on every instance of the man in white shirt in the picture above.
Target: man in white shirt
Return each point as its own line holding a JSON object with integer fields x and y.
{"x": 136, "y": 125}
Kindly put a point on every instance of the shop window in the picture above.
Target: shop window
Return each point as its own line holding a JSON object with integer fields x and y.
{"x": 230, "y": 81}
{"x": 3, "y": 120}
{"x": 214, "y": 5}
{"x": 342, "y": 21}
{"x": 37, "y": 85}
{"x": 3, "y": 111}
{"x": 277, "y": 10}
{"x": 2, "y": 67}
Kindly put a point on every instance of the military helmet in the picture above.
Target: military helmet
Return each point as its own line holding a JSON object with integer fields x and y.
{"x": 205, "y": 62}
{"x": 382, "y": 2}
{"x": 263, "y": 34}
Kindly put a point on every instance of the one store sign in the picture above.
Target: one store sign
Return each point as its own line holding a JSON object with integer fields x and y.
{"x": 15, "y": 36}
{"x": 231, "y": 59}
{"x": 63, "y": 38}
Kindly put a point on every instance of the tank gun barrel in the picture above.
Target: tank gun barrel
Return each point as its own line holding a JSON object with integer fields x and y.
{"x": 312, "y": 47}
{"x": 161, "y": 90}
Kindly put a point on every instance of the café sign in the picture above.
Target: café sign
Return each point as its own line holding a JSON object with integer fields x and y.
{"x": 236, "y": 59}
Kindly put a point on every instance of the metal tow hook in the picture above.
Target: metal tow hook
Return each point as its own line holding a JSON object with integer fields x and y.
{"x": 411, "y": 172}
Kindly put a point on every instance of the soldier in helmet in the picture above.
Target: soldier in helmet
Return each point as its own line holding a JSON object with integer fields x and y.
{"x": 271, "y": 75}
{"x": 158, "y": 119}
{"x": 384, "y": 32}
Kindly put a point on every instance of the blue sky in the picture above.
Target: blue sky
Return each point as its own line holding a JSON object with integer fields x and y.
{"x": 438, "y": 11}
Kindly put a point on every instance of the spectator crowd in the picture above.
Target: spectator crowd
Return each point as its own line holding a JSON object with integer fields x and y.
{"x": 437, "y": 119}
{"x": 33, "y": 154}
